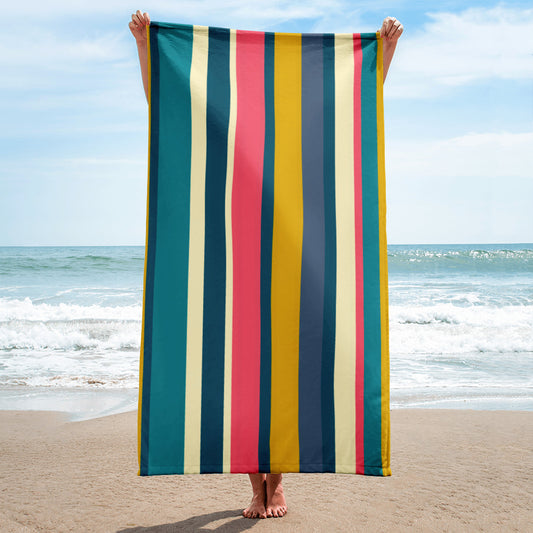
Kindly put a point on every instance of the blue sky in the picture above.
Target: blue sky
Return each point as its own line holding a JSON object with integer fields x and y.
{"x": 458, "y": 115}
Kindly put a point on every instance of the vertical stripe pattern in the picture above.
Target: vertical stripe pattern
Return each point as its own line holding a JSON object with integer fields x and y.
{"x": 246, "y": 216}
{"x": 265, "y": 309}
{"x": 312, "y": 284}
{"x": 286, "y": 253}
{"x": 193, "y": 395}
{"x": 228, "y": 360}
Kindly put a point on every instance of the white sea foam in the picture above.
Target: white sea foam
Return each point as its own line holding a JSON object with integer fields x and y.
{"x": 449, "y": 329}
{"x": 69, "y": 345}
{"x": 26, "y": 309}
{"x": 73, "y": 335}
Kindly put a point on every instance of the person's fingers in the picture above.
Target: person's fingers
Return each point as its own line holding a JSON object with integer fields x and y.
{"x": 399, "y": 31}
{"x": 138, "y": 20}
{"x": 385, "y": 26}
{"x": 396, "y": 31}
{"x": 141, "y": 17}
{"x": 146, "y": 18}
{"x": 388, "y": 24}
{"x": 134, "y": 29}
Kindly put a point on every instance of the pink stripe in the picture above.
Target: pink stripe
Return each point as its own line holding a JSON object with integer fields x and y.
{"x": 359, "y": 287}
{"x": 246, "y": 233}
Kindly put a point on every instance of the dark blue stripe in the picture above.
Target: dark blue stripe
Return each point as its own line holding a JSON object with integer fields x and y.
{"x": 372, "y": 437}
{"x": 218, "y": 98}
{"x": 267, "y": 220}
{"x": 150, "y": 255}
{"x": 330, "y": 254}
{"x": 313, "y": 245}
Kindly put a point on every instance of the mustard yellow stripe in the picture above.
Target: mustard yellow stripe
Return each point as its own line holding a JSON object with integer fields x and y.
{"x": 287, "y": 234}
{"x": 193, "y": 393}
{"x": 226, "y": 462}
{"x": 383, "y": 273}
{"x": 345, "y": 332}
{"x": 141, "y": 358}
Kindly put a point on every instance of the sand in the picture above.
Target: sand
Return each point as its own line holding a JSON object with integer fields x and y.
{"x": 452, "y": 470}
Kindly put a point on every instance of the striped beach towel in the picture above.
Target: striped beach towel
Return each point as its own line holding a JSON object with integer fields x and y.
{"x": 265, "y": 310}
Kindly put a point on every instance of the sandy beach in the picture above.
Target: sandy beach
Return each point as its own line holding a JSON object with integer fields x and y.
{"x": 452, "y": 470}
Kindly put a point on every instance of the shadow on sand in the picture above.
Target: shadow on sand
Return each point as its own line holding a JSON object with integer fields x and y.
{"x": 202, "y": 522}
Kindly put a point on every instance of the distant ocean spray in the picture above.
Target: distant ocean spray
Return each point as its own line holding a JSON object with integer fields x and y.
{"x": 461, "y": 322}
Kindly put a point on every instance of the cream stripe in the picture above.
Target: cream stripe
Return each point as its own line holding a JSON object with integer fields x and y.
{"x": 226, "y": 462}
{"x": 345, "y": 302}
{"x": 193, "y": 395}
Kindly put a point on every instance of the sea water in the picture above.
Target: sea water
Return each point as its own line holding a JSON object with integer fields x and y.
{"x": 461, "y": 327}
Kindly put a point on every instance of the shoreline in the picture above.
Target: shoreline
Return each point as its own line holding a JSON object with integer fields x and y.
{"x": 81, "y": 404}
{"x": 452, "y": 470}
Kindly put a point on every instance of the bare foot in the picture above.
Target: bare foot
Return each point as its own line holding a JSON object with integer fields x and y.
{"x": 257, "y": 509}
{"x": 276, "y": 506}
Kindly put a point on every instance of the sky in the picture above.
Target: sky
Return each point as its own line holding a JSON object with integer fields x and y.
{"x": 458, "y": 105}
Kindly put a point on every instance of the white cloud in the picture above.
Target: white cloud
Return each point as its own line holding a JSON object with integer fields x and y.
{"x": 487, "y": 155}
{"x": 47, "y": 58}
{"x": 461, "y": 48}
{"x": 88, "y": 168}
{"x": 202, "y": 11}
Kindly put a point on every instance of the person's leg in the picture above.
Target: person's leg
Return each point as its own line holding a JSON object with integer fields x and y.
{"x": 257, "y": 509}
{"x": 276, "y": 505}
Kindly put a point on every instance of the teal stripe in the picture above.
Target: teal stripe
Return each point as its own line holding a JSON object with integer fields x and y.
{"x": 372, "y": 437}
{"x": 171, "y": 261}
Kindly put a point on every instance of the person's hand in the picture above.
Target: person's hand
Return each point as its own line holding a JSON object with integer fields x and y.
{"x": 391, "y": 29}
{"x": 138, "y": 24}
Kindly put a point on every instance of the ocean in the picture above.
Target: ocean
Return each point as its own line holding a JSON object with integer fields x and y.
{"x": 461, "y": 327}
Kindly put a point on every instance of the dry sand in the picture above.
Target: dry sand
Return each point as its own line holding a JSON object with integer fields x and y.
{"x": 452, "y": 470}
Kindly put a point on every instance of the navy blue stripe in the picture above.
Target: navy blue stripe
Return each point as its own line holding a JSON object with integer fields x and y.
{"x": 313, "y": 245}
{"x": 218, "y": 97}
{"x": 369, "y": 152}
{"x": 267, "y": 220}
{"x": 330, "y": 254}
{"x": 150, "y": 254}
